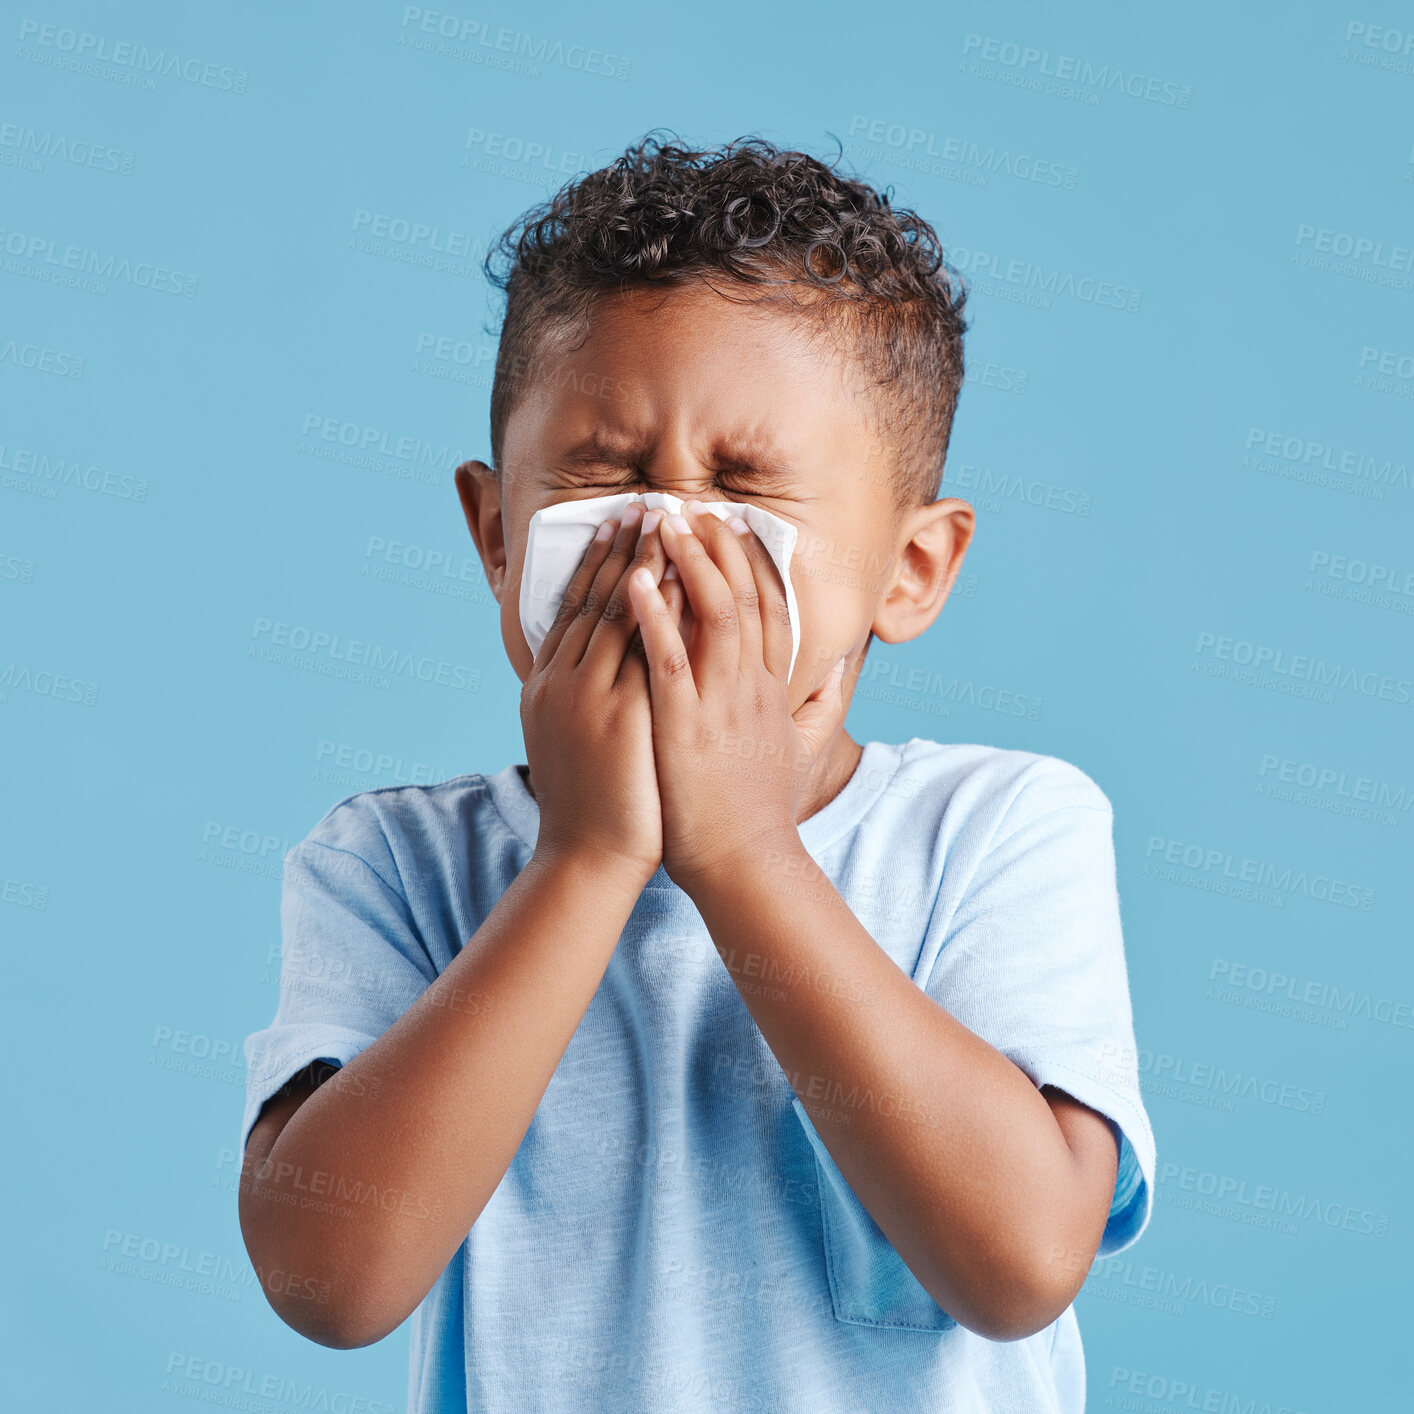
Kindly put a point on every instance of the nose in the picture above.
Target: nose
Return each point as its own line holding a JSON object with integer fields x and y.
{"x": 694, "y": 489}
{"x": 674, "y": 468}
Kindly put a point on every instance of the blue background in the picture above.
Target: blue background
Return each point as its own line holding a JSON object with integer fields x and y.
{"x": 1152, "y": 483}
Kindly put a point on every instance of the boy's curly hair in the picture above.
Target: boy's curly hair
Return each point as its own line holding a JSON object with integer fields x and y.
{"x": 831, "y": 246}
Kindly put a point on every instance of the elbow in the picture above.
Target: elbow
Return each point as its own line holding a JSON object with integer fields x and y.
{"x": 336, "y": 1330}
{"x": 311, "y": 1308}
{"x": 1015, "y": 1303}
{"x": 1013, "y": 1313}
{"x": 308, "y": 1292}
{"x": 1033, "y": 1284}
{"x": 1017, "y": 1318}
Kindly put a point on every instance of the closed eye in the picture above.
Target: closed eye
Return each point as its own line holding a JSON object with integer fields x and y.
{"x": 618, "y": 478}
{"x": 736, "y": 486}
{"x": 737, "y": 472}
{"x": 756, "y": 478}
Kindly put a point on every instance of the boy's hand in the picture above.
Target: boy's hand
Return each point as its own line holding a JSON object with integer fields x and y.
{"x": 732, "y": 761}
{"x": 586, "y": 713}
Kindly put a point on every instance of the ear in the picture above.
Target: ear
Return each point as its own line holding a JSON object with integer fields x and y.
{"x": 480, "y": 495}
{"x": 932, "y": 542}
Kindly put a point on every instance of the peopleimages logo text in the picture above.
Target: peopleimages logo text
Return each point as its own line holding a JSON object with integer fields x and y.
{"x": 987, "y": 267}
{"x": 1068, "y": 69}
{"x": 98, "y": 48}
{"x": 1356, "y": 247}
{"x": 47, "y": 253}
{"x": 319, "y": 644}
{"x": 1266, "y": 658}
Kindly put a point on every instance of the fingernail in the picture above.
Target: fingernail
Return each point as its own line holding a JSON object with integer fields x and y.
{"x": 696, "y": 507}
{"x": 738, "y": 525}
{"x": 671, "y": 572}
{"x": 679, "y": 524}
{"x": 649, "y": 521}
{"x": 606, "y": 531}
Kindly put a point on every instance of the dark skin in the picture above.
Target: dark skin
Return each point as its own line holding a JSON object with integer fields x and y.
{"x": 661, "y": 728}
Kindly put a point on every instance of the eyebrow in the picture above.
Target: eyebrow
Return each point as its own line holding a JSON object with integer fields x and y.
{"x": 753, "y": 458}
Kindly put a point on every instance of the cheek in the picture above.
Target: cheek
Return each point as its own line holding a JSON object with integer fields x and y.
{"x": 835, "y": 609}
{"x": 512, "y": 635}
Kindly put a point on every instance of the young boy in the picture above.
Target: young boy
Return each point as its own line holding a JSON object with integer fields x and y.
{"x": 714, "y": 1061}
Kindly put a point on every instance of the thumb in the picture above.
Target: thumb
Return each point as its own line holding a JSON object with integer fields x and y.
{"x": 820, "y": 712}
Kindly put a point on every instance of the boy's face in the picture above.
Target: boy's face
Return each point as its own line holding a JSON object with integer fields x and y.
{"x": 684, "y": 391}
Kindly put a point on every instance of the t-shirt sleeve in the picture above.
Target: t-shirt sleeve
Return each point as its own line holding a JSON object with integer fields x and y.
{"x": 351, "y": 958}
{"x": 1032, "y": 960}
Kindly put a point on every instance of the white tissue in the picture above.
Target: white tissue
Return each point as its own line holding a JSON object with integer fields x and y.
{"x": 560, "y": 534}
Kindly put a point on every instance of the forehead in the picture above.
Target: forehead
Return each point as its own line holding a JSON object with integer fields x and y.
{"x": 687, "y": 359}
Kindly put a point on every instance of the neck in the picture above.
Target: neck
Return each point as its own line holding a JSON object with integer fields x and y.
{"x": 835, "y": 765}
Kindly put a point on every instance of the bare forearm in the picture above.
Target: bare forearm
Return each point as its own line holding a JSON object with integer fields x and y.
{"x": 399, "y": 1151}
{"x": 947, "y": 1143}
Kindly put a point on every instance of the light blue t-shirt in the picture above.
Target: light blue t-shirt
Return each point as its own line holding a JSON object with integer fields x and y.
{"x": 672, "y": 1233}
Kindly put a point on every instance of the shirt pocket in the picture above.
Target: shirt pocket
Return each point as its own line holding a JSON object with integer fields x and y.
{"x": 869, "y": 1283}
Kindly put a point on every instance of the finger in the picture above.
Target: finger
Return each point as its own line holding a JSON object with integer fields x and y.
{"x": 617, "y": 626}
{"x": 633, "y": 671}
{"x": 825, "y": 708}
{"x": 579, "y": 631}
{"x": 774, "y": 616}
{"x": 716, "y": 651}
{"x": 724, "y": 542}
{"x": 595, "y": 553}
{"x": 670, "y": 587}
{"x": 670, "y": 675}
